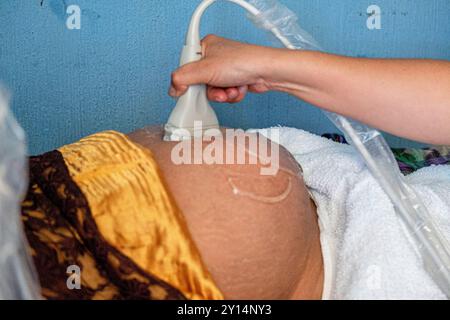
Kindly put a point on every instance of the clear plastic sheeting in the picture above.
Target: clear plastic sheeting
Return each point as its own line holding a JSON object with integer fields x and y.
{"x": 17, "y": 277}
{"x": 424, "y": 235}
{"x": 282, "y": 22}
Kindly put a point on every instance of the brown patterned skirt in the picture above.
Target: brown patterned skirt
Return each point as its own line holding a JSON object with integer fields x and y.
{"x": 88, "y": 211}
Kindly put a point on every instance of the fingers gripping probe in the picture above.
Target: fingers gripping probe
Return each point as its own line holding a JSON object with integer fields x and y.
{"x": 193, "y": 107}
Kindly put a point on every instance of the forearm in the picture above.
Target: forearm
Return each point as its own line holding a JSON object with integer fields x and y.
{"x": 408, "y": 98}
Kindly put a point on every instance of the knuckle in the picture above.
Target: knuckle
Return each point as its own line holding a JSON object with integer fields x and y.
{"x": 176, "y": 77}
{"x": 209, "y": 38}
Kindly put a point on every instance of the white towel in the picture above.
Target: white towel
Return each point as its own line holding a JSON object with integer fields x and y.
{"x": 366, "y": 253}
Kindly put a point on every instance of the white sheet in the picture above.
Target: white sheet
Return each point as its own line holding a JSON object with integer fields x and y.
{"x": 366, "y": 253}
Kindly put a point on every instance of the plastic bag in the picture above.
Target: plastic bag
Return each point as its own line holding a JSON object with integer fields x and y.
{"x": 17, "y": 275}
{"x": 273, "y": 16}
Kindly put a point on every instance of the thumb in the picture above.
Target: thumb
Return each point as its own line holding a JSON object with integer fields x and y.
{"x": 187, "y": 75}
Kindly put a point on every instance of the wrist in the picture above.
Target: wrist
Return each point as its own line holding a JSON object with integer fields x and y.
{"x": 279, "y": 67}
{"x": 290, "y": 71}
{"x": 270, "y": 64}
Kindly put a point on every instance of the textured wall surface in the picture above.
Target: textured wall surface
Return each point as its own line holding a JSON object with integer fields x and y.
{"x": 113, "y": 73}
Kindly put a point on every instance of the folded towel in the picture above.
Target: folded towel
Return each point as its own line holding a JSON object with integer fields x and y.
{"x": 366, "y": 253}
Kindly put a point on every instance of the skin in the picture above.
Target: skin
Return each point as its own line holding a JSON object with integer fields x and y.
{"x": 406, "y": 97}
{"x": 253, "y": 249}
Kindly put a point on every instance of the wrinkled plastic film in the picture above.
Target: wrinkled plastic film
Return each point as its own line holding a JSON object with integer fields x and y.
{"x": 283, "y": 23}
{"x": 426, "y": 237}
{"x": 17, "y": 276}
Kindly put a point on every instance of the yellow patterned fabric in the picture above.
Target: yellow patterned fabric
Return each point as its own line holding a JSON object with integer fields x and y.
{"x": 135, "y": 213}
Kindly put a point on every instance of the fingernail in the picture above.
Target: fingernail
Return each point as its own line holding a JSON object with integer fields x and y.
{"x": 242, "y": 89}
{"x": 219, "y": 99}
{"x": 233, "y": 95}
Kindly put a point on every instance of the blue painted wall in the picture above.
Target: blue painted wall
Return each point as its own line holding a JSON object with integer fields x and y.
{"x": 114, "y": 72}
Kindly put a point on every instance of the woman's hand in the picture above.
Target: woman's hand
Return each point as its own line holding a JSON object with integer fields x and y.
{"x": 230, "y": 69}
{"x": 405, "y": 97}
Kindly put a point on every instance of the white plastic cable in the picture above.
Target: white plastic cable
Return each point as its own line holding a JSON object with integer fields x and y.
{"x": 193, "y": 36}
